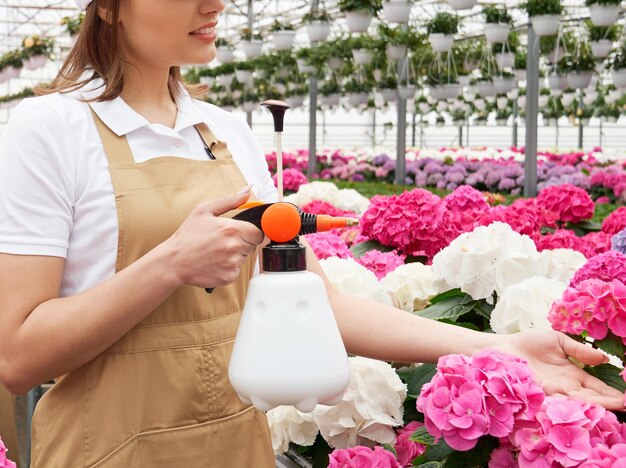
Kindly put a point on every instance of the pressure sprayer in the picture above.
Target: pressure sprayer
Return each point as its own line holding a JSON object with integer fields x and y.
{"x": 288, "y": 349}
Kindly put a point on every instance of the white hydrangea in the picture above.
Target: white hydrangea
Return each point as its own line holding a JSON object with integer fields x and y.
{"x": 345, "y": 199}
{"x": 287, "y": 425}
{"x": 370, "y": 408}
{"x": 488, "y": 259}
{"x": 350, "y": 277}
{"x": 410, "y": 286}
{"x": 525, "y": 305}
{"x": 561, "y": 264}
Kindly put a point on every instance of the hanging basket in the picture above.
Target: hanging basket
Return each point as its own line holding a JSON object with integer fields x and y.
{"x": 335, "y": 63}
{"x": 252, "y": 49}
{"x": 36, "y": 62}
{"x": 283, "y": 40}
{"x": 502, "y": 103}
{"x": 389, "y": 95}
{"x": 601, "y": 48}
{"x": 395, "y": 52}
{"x": 486, "y": 88}
{"x": 542, "y": 101}
{"x": 226, "y": 80}
{"x": 465, "y": 80}
{"x": 304, "y": 67}
{"x": 318, "y": 31}
{"x": 557, "y": 81}
{"x": 451, "y": 90}
{"x": 513, "y": 94}
{"x": 567, "y": 99}
{"x": 521, "y": 102}
{"x": 480, "y": 104}
{"x": 603, "y": 15}
{"x": 441, "y": 42}
{"x": 407, "y": 91}
{"x": 505, "y": 59}
{"x": 362, "y": 56}
{"x": 520, "y": 75}
{"x": 207, "y": 80}
{"x": 225, "y": 54}
{"x": 579, "y": 80}
{"x": 503, "y": 85}
{"x": 397, "y": 11}
{"x": 330, "y": 100}
{"x": 358, "y": 21}
{"x": 461, "y": 4}
{"x": 497, "y": 33}
{"x": 357, "y": 99}
{"x": 249, "y": 106}
{"x": 243, "y": 76}
{"x": 545, "y": 25}
{"x": 11, "y": 72}
{"x": 619, "y": 78}
{"x": 295, "y": 101}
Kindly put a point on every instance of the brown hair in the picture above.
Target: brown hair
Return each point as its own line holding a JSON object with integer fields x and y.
{"x": 97, "y": 51}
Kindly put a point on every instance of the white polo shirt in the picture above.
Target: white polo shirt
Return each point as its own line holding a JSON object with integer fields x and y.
{"x": 56, "y": 196}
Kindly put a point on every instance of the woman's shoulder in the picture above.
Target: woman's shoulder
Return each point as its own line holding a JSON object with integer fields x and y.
{"x": 49, "y": 110}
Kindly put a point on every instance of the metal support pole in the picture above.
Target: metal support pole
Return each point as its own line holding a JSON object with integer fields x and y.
{"x": 460, "y": 135}
{"x": 313, "y": 111}
{"x": 515, "y": 116}
{"x": 580, "y": 134}
{"x": 374, "y": 127}
{"x": 250, "y": 26}
{"x": 556, "y": 139}
{"x": 403, "y": 73}
{"x": 601, "y": 138}
{"x": 532, "y": 112}
{"x": 413, "y": 132}
{"x": 467, "y": 143}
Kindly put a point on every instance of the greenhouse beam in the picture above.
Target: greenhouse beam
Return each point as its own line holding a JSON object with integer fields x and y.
{"x": 313, "y": 111}
{"x": 403, "y": 74}
{"x": 532, "y": 111}
{"x": 250, "y": 26}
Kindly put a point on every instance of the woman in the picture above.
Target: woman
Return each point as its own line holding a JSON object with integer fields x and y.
{"x": 117, "y": 242}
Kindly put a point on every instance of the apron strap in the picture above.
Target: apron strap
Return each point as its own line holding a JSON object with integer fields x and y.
{"x": 116, "y": 147}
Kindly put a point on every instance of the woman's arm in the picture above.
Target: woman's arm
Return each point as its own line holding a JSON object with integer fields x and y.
{"x": 378, "y": 331}
{"x": 43, "y": 336}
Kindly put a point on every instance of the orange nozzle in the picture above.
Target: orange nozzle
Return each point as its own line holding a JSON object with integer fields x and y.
{"x": 281, "y": 222}
{"x": 326, "y": 223}
{"x": 251, "y": 204}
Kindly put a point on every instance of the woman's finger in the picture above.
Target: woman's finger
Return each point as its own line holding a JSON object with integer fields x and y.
{"x": 581, "y": 352}
{"x": 611, "y": 402}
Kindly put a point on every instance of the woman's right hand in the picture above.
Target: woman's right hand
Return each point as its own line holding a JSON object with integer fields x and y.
{"x": 208, "y": 250}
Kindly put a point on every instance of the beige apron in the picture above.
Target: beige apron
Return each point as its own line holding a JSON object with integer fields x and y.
{"x": 160, "y": 396}
{"x": 8, "y": 431}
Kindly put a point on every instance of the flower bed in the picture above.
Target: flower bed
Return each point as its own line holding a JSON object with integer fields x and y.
{"x": 537, "y": 263}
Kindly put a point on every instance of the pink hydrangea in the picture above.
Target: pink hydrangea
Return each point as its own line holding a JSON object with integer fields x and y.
{"x": 563, "y": 433}
{"x": 594, "y": 306}
{"x": 471, "y": 397}
{"x": 322, "y": 207}
{"x": 561, "y": 239}
{"x": 405, "y": 448}
{"x": 381, "y": 263}
{"x": 326, "y": 244}
{"x": 615, "y": 222}
{"x": 292, "y": 179}
{"x": 521, "y": 221}
{"x": 4, "y": 461}
{"x": 605, "y": 457}
{"x": 415, "y": 222}
{"x": 466, "y": 198}
{"x": 606, "y": 267}
{"x": 603, "y": 201}
{"x": 502, "y": 458}
{"x": 571, "y": 204}
{"x": 362, "y": 457}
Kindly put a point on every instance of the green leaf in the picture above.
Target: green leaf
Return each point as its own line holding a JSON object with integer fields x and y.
{"x": 447, "y": 295}
{"x": 468, "y": 325}
{"x": 430, "y": 464}
{"x": 476, "y": 457}
{"x": 484, "y": 309}
{"x": 422, "y": 436}
{"x": 609, "y": 374}
{"x": 437, "y": 453}
{"x": 361, "y": 249}
{"x": 391, "y": 448}
{"x": 451, "y": 308}
{"x": 420, "y": 376}
{"x": 611, "y": 345}
{"x": 585, "y": 226}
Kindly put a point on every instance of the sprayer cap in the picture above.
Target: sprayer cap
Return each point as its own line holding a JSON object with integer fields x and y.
{"x": 281, "y": 222}
{"x": 287, "y": 257}
{"x": 278, "y": 109}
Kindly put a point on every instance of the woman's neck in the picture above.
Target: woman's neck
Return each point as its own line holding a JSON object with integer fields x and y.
{"x": 147, "y": 92}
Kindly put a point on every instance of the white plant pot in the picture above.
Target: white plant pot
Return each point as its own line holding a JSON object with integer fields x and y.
{"x": 283, "y": 40}
{"x": 356, "y": 99}
{"x": 505, "y": 60}
{"x": 513, "y": 94}
{"x": 480, "y": 104}
{"x": 521, "y": 102}
{"x": 396, "y": 52}
{"x": 335, "y": 63}
{"x": 579, "y": 80}
{"x": 592, "y": 94}
{"x": 35, "y": 62}
{"x": 602, "y": 48}
{"x": 207, "y": 80}
{"x": 545, "y": 25}
{"x": 451, "y": 90}
{"x": 441, "y": 42}
{"x": 294, "y": 101}
{"x": 610, "y": 100}
{"x": 12, "y": 72}
{"x": 424, "y": 107}
{"x": 225, "y": 55}
{"x": 503, "y": 85}
{"x": 397, "y": 11}
{"x": 377, "y": 74}
{"x": 567, "y": 99}
{"x": 542, "y": 101}
{"x": 389, "y": 95}
{"x": 249, "y": 106}
{"x": 557, "y": 82}
{"x": 252, "y": 49}
{"x": 237, "y": 94}
{"x": 464, "y": 80}
{"x": 619, "y": 78}
{"x": 520, "y": 75}
{"x": 501, "y": 122}
{"x": 281, "y": 88}
{"x": 304, "y": 67}
{"x": 588, "y": 100}
{"x": 458, "y": 123}
{"x": 612, "y": 119}
{"x": 502, "y": 102}
{"x": 225, "y": 80}
{"x": 407, "y": 92}
{"x": 318, "y": 31}
{"x": 362, "y": 56}
{"x": 584, "y": 122}
{"x": 555, "y": 55}
{"x": 358, "y": 21}
{"x": 442, "y": 106}
{"x": 485, "y": 89}
{"x": 603, "y": 15}
{"x": 556, "y": 92}
{"x": 243, "y": 76}
{"x": 331, "y": 100}
{"x": 496, "y": 33}
{"x": 461, "y": 4}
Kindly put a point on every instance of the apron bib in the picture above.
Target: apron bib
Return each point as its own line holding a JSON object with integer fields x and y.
{"x": 160, "y": 396}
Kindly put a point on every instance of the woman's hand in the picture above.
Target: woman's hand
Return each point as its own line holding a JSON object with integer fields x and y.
{"x": 547, "y": 353}
{"x": 208, "y": 251}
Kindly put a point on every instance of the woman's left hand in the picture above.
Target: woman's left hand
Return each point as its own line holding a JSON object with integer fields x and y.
{"x": 548, "y": 353}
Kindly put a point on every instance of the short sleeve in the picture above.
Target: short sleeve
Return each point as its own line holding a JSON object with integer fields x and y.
{"x": 37, "y": 182}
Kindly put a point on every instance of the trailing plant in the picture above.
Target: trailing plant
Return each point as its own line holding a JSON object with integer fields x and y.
{"x": 330, "y": 87}
{"x": 497, "y": 15}
{"x": 223, "y": 42}
{"x": 362, "y": 41}
{"x": 248, "y": 35}
{"x": 281, "y": 26}
{"x": 598, "y": 33}
{"x": 355, "y": 85}
{"x": 542, "y": 7}
{"x": 602, "y": 2}
{"x": 370, "y": 6}
{"x": 320, "y": 16}
{"x": 400, "y": 36}
{"x": 443, "y": 23}
{"x": 583, "y": 61}
{"x": 72, "y": 23}
{"x": 617, "y": 60}
{"x": 246, "y": 65}
{"x": 388, "y": 82}
{"x": 36, "y": 45}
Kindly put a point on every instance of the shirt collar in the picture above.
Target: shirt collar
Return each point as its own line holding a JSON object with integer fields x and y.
{"x": 122, "y": 119}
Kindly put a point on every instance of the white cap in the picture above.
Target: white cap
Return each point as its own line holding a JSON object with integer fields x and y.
{"x": 83, "y": 4}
